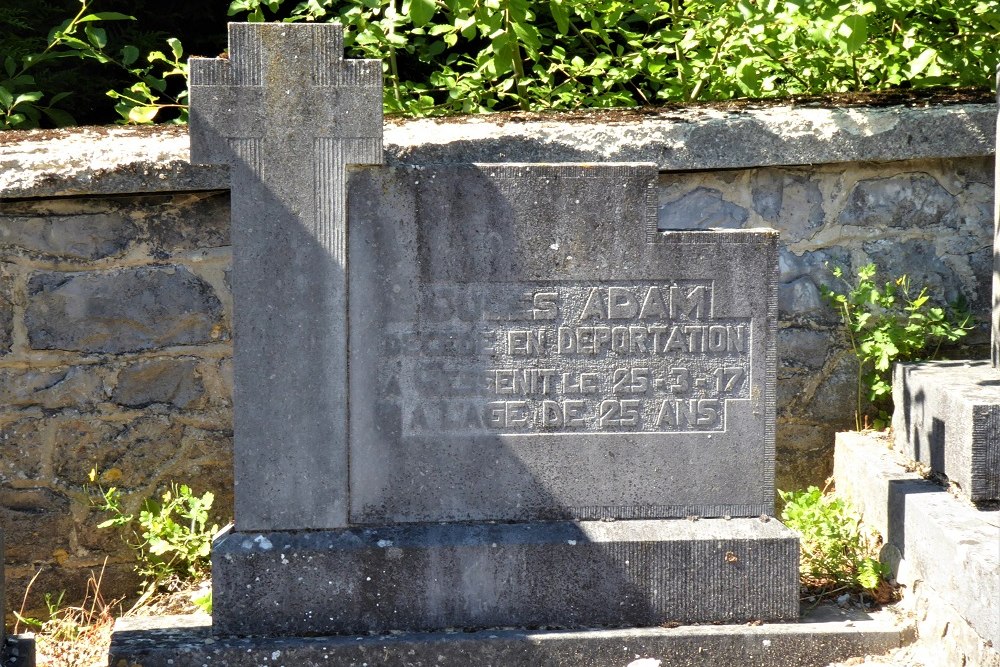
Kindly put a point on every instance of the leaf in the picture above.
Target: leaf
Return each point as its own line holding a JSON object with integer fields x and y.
{"x": 176, "y": 47}
{"x": 142, "y": 115}
{"x": 129, "y": 55}
{"x": 6, "y": 98}
{"x": 921, "y": 62}
{"x": 560, "y": 15}
{"x": 106, "y": 16}
{"x": 33, "y": 96}
{"x": 97, "y": 36}
{"x": 420, "y": 11}
{"x": 854, "y": 30}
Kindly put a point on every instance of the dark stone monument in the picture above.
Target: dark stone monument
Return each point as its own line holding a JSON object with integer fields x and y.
{"x": 948, "y": 413}
{"x": 478, "y": 396}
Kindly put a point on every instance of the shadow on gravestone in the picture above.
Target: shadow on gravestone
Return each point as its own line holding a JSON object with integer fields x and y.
{"x": 369, "y": 496}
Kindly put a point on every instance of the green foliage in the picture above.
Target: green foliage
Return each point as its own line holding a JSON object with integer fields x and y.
{"x": 836, "y": 553}
{"x": 23, "y": 102}
{"x": 450, "y": 56}
{"x": 143, "y": 100}
{"x": 886, "y": 325}
{"x": 173, "y": 538}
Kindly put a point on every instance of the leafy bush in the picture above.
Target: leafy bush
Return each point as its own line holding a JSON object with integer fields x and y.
{"x": 885, "y": 325}
{"x": 24, "y": 102}
{"x": 448, "y": 56}
{"x": 837, "y": 555}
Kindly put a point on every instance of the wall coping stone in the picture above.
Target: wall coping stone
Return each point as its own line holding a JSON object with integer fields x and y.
{"x": 116, "y": 160}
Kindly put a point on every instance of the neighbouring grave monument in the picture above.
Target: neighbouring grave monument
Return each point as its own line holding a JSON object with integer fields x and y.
{"x": 477, "y": 396}
{"x": 948, "y": 413}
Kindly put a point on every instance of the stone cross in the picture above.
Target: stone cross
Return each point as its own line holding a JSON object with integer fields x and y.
{"x": 288, "y": 114}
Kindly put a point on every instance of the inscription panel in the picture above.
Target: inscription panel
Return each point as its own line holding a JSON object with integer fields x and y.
{"x": 524, "y": 345}
{"x": 565, "y": 358}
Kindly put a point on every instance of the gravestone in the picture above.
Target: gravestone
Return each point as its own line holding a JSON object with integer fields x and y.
{"x": 475, "y": 396}
{"x": 948, "y": 413}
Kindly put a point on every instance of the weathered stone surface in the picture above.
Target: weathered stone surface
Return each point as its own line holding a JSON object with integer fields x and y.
{"x": 906, "y": 200}
{"x": 102, "y": 160}
{"x": 77, "y": 387}
{"x": 948, "y": 417}
{"x": 136, "y": 450}
{"x": 123, "y": 310}
{"x": 289, "y": 263}
{"x": 945, "y": 543}
{"x": 568, "y": 574}
{"x": 197, "y": 220}
{"x": 23, "y": 448}
{"x": 702, "y": 208}
{"x": 789, "y": 200}
{"x": 188, "y": 642}
{"x": 172, "y": 381}
{"x": 36, "y": 522}
{"x": 474, "y": 275}
{"x": 6, "y": 312}
{"x": 90, "y": 236}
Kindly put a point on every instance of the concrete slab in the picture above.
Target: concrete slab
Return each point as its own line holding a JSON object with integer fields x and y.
{"x": 818, "y": 641}
{"x": 537, "y": 575}
{"x": 934, "y": 539}
{"x": 948, "y": 417}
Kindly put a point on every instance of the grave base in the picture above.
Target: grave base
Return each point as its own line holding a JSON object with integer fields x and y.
{"x": 828, "y": 635}
{"x": 551, "y": 575}
{"x": 948, "y": 417}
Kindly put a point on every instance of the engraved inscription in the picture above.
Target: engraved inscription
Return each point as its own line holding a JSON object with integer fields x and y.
{"x": 522, "y": 358}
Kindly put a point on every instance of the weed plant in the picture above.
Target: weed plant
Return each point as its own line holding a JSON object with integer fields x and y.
{"x": 886, "y": 324}
{"x": 837, "y": 554}
{"x": 171, "y": 536}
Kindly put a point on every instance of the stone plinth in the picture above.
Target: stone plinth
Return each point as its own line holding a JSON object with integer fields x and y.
{"x": 558, "y": 574}
{"x": 948, "y": 417}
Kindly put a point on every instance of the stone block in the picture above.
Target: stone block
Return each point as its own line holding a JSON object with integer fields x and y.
{"x": 532, "y": 322}
{"x": 816, "y": 642}
{"x": 702, "y": 208}
{"x": 124, "y": 310}
{"x": 905, "y": 200}
{"x": 948, "y": 417}
{"x": 76, "y": 237}
{"x": 945, "y": 543}
{"x": 170, "y": 381}
{"x": 563, "y": 574}
{"x": 78, "y": 387}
